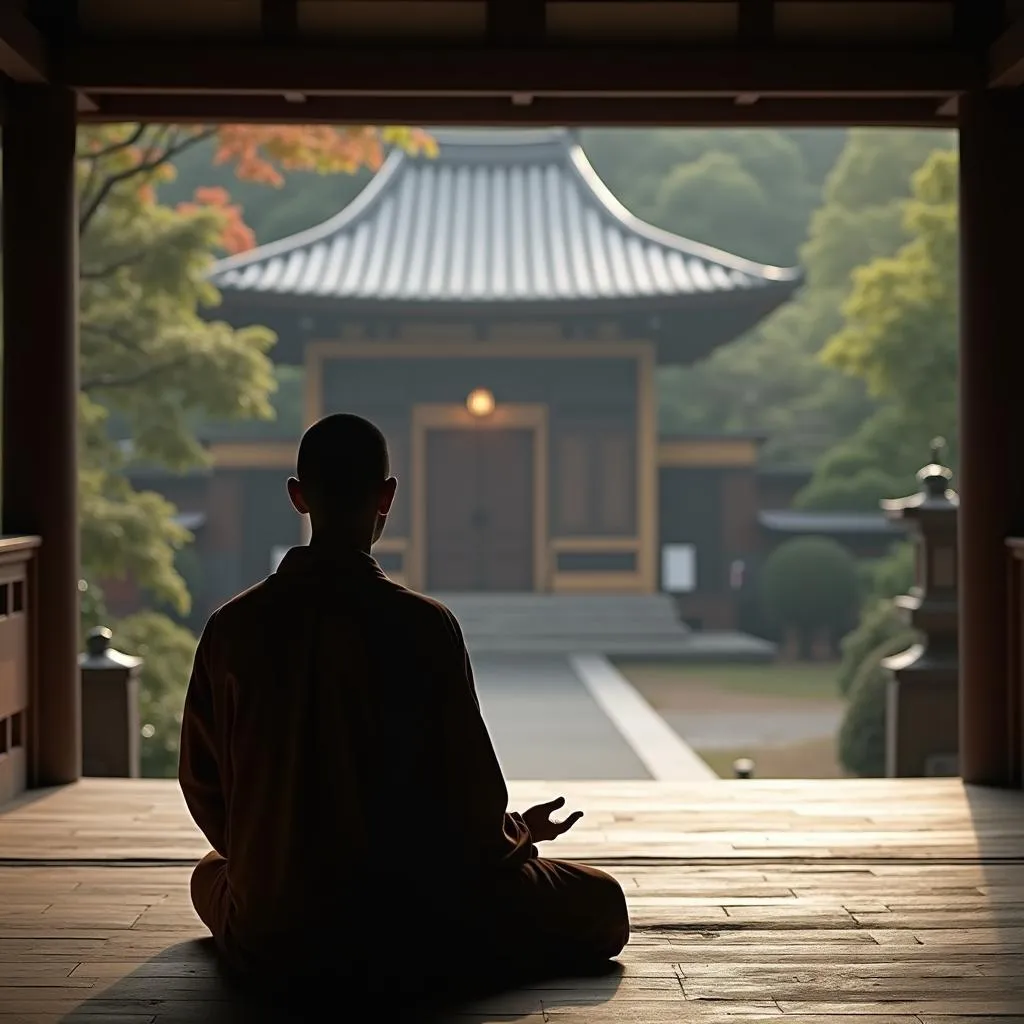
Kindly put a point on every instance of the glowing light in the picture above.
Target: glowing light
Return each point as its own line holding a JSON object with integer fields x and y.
{"x": 480, "y": 402}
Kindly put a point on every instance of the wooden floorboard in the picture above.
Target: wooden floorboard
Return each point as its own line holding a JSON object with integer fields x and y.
{"x": 875, "y": 902}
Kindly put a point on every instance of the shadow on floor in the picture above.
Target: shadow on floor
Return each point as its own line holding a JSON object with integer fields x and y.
{"x": 185, "y": 982}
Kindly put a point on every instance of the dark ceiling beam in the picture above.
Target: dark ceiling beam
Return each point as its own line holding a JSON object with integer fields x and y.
{"x": 756, "y": 21}
{"x": 23, "y": 54}
{"x": 523, "y": 71}
{"x": 606, "y": 111}
{"x": 977, "y": 23}
{"x": 1006, "y": 58}
{"x": 516, "y": 22}
{"x": 279, "y": 19}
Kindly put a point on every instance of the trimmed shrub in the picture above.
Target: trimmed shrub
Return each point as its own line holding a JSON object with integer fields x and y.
{"x": 881, "y": 632}
{"x": 862, "y": 734}
{"x": 810, "y": 585}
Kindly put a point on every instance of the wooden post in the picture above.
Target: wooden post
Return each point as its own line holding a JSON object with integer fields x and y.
{"x": 40, "y": 395}
{"x": 110, "y": 709}
{"x": 991, "y": 421}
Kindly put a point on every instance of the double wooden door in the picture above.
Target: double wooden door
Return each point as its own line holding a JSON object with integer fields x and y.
{"x": 480, "y": 509}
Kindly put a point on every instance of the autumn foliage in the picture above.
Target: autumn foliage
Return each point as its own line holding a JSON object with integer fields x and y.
{"x": 140, "y": 157}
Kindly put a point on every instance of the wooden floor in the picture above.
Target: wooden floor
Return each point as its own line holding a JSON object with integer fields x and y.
{"x": 889, "y": 902}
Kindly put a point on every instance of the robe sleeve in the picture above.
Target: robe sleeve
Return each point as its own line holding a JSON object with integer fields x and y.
{"x": 199, "y": 769}
{"x": 482, "y": 832}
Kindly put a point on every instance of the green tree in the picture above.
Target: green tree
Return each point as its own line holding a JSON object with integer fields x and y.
{"x": 746, "y": 190}
{"x": 894, "y": 574}
{"x": 149, "y": 355}
{"x": 166, "y": 650}
{"x": 153, "y": 362}
{"x": 899, "y": 339}
{"x": 303, "y": 199}
{"x": 771, "y": 382}
{"x": 882, "y": 631}
{"x": 716, "y": 197}
{"x": 862, "y": 733}
{"x": 809, "y": 585}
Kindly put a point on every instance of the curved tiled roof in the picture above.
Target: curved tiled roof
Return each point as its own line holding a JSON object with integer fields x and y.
{"x": 496, "y": 216}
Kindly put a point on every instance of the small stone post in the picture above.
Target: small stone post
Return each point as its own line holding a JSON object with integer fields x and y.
{"x": 110, "y": 709}
{"x": 922, "y": 701}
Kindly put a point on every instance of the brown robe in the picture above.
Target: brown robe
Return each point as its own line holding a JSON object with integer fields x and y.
{"x": 334, "y": 755}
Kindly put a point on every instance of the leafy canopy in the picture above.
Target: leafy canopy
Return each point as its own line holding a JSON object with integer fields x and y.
{"x": 770, "y": 382}
{"x": 898, "y": 337}
{"x": 155, "y": 361}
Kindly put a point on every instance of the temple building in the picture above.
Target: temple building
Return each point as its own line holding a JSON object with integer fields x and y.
{"x": 501, "y": 316}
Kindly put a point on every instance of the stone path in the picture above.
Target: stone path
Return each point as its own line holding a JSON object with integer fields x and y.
{"x": 545, "y": 724}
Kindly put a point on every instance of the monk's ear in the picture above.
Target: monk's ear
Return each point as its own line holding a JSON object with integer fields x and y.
{"x": 387, "y": 496}
{"x": 296, "y": 497}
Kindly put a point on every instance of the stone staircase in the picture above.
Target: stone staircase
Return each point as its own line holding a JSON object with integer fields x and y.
{"x": 627, "y": 625}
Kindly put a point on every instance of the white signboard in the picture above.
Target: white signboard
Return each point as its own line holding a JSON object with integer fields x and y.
{"x": 679, "y": 568}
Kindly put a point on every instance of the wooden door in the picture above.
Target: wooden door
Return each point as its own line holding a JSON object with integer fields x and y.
{"x": 479, "y": 515}
{"x": 505, "y": 508}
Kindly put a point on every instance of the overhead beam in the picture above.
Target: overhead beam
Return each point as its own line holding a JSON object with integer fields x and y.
{"x": 756, "y": 21}
{"x": 23, "y": 55}
{"x": 530, "y": 71}
{"x": 516, "y": 22}
{"x": 1006, "y": 58}
{"x": 977, "y": 23}
{"x": 497, "y": 110}
{"x": 279, "y": 19}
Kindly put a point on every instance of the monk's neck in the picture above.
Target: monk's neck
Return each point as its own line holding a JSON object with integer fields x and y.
{"x": 339, "y": 545}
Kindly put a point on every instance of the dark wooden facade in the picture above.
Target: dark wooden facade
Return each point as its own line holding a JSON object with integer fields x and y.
{"x": 712, "y": 499}
{"x": 557, "y": 471}
{"x": 708, "y": 500}
{"x": 676, "y": 62}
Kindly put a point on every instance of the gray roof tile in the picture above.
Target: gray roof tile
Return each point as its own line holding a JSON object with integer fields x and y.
{"x": 496, "y": 216}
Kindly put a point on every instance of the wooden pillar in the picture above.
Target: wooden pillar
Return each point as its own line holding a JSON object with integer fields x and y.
{"x": 991, "y": 422}
{"x": 40, "y": 389}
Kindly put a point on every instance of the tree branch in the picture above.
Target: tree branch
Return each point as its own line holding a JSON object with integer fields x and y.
{"x": 108, "y": 333}
{"x": 111, "y": 268}
{"x": 116, "y": 147}
{"x": 149, "y": 162}
{"x": 105, "y": 382}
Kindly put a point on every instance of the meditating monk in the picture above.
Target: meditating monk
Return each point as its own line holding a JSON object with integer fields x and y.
{"x": 334, "y": 755}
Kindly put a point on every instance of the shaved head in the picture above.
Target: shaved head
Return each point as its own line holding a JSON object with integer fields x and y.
{"x": 342, "y": 467}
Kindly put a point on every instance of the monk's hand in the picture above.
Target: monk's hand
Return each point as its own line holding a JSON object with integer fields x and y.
{"x": 542, "y": 828}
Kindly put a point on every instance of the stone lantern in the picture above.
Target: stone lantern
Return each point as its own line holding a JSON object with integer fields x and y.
{"x": 110, "y": 709}
{"x": 922, "y": 702}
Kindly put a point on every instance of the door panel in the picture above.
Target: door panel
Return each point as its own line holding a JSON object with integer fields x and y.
{"x": 452, "y": 541}
{"x": 479, "y": 529}
{"x": 506, "y": 496}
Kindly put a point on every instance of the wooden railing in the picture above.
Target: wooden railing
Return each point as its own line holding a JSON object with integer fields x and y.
{"x": 1015, "y": 610}
{"x": 17, "y": 622}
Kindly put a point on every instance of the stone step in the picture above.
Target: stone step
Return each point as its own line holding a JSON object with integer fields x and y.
{"x": 636, "y": 626}
{"x": 561, "y": 615}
